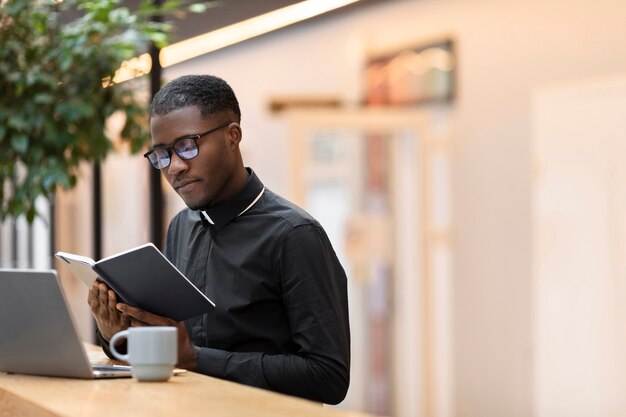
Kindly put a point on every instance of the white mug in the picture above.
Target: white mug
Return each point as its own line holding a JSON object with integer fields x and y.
{"x": 152, "y": 351}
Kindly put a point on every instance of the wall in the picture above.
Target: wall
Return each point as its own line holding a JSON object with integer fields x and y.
{"x": 579, "y": 201}
{"x": 506, "y": 49}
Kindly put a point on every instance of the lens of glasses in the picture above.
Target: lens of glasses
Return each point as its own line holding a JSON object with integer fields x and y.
{"x": 186, "y": 148}
{"x": 159, "y": 158}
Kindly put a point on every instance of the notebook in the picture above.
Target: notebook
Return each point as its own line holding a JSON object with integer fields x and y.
{"x": 38, "y": 335}
{"x": 143, "y": 277}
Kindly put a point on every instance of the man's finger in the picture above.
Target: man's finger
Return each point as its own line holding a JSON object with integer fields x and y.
{"x": 92, "y": 298}
{"x": 112, "y": 310}
{"x": 103, "y": 296}
{"x": 134, "y": 312}
{"x": 144, "y": 316}
{"x": 137, "y": 323}
{"x": 124, "y": 319}
{"x": 112, "y": 302}
{"x": 93, "y": 290}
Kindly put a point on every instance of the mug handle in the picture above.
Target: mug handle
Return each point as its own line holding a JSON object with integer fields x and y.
{"x": 123, "y": 333}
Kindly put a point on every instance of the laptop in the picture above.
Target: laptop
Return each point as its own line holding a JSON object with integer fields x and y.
{"x": 38, "y": 335}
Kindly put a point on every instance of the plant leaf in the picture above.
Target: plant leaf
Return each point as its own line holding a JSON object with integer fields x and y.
{"x": 19, "y": 142}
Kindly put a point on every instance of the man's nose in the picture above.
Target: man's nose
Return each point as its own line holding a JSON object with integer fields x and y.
{"x": 177, "y": 164}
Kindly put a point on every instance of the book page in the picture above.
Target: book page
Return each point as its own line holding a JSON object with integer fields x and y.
{"x": 81, "y": 267}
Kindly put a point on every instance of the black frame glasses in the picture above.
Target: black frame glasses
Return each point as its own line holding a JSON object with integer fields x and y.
{"x": 186, "y": 148}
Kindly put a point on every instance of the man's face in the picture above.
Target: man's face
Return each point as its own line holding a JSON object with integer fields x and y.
{"x": 207, "y": 179}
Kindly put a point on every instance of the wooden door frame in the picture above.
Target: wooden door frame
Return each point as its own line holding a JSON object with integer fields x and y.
{"x": 415, "y": 392}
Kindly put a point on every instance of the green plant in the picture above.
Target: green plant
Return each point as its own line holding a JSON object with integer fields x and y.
{"x": 57, "y": 91}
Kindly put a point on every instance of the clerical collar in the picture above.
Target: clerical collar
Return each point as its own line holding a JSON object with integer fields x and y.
{"x": 223, "y": 213}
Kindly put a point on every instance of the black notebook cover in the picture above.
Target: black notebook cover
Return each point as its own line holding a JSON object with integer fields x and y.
{"x": 144, "y": 278}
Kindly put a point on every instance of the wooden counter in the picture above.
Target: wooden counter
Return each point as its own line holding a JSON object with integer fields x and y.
{"x": 185, "y": 395}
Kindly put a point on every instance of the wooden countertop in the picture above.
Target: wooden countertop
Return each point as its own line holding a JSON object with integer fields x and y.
{"x": 185, "y": 395}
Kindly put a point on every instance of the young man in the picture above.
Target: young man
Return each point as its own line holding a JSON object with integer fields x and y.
{"x": 281, "y": 316}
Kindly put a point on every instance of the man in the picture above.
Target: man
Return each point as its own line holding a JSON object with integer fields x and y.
{"x": 281, "y": 316}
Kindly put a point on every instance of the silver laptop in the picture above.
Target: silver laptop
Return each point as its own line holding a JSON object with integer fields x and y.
{"x": 38, "y": 335}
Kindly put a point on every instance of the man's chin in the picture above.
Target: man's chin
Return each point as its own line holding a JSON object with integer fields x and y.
{"x": 194, "y": 204}
{"x": 197, "y": 201}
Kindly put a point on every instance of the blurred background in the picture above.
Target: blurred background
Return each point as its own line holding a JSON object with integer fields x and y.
{"x": 465, "y": 158}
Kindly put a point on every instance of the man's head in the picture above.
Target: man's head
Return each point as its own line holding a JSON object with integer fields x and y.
{"x": 194, "y": 121}
{"x": 208, "y": 93}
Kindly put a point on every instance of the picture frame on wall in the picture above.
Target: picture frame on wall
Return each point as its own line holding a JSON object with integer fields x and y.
{"x": 411, "y": 76}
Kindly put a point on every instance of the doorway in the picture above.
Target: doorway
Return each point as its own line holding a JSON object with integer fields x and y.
{"x": 378, "y": 181}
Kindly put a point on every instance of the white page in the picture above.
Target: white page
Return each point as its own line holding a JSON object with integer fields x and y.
{"x": 81, "y": 266}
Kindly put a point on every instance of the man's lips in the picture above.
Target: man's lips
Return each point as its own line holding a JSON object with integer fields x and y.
{"x": 182, "y": 184}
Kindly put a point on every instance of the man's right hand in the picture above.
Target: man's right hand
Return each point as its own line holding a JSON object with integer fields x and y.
{"x": 102, "y": 301}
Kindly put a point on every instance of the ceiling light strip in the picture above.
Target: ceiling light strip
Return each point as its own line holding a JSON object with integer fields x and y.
{"x": 247, "y": 29}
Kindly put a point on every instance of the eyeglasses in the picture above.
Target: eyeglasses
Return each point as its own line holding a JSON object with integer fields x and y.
{"x": 186, "y": 148}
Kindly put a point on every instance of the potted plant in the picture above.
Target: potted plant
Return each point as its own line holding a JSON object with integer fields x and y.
{"x": 58, "y": 88}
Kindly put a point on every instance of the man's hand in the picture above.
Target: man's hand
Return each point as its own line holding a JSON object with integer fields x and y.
{"x": 187, "y": 352}
{"x": 102, "y": 301}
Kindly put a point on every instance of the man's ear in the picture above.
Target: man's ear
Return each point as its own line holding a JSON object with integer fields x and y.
{"x": 234, "y": 133}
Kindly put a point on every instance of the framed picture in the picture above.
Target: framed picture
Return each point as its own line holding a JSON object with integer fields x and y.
{"x": 411, "y": 76}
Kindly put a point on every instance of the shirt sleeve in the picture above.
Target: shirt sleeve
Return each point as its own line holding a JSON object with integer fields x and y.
{"x": 106, "y": 347}
{"x": 314, "y": 290}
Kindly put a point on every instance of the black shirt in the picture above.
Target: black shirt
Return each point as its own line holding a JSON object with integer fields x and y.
{"x": 281, "y": 315}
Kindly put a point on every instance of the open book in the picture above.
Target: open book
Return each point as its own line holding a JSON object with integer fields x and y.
{"x": 143, "y": 277}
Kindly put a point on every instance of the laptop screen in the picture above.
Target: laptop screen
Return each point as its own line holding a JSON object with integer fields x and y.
{"x": 37, "y": 332}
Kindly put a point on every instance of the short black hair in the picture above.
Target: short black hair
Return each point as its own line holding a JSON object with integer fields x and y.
{"x": 209, "y": 93}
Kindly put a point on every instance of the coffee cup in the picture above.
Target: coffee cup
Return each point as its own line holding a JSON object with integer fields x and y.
{"x": 152, "y": 351}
